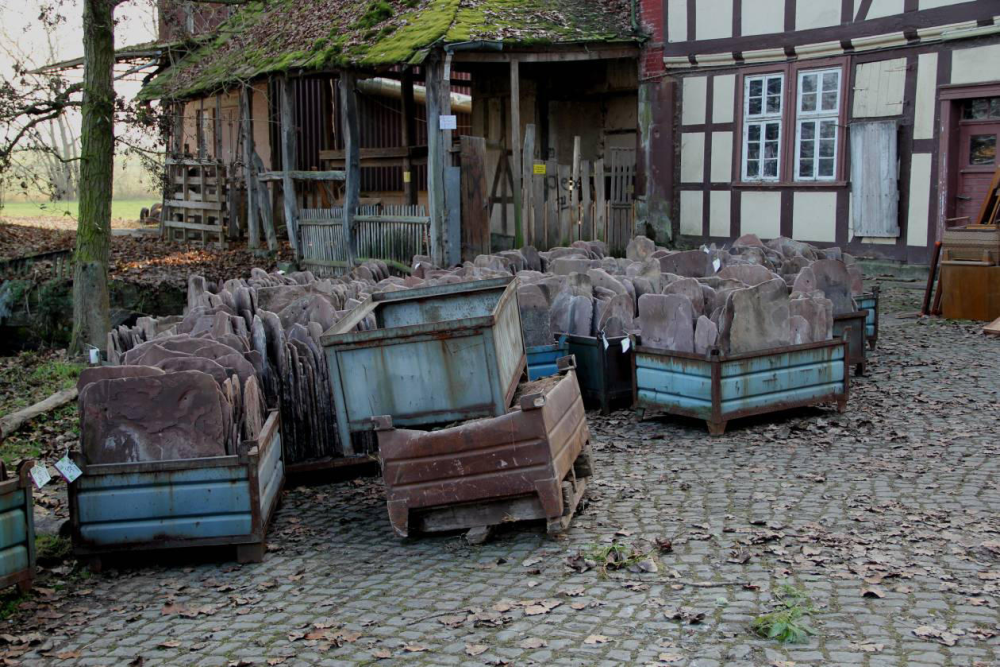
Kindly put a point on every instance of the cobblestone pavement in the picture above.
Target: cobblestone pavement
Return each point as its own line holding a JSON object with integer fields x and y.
{"x": 885, "y": 518}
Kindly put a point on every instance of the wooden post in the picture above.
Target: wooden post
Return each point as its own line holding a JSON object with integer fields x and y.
{"x": 515, "y": 141}
{"x": 249, "y": 176}
{"x": 552, "y": 203}
{"x": 528, "y": 157}
{"x": 574, "y": 211}
{"x": 409, "y": 131}
{"x": 352, "y": 157}
{"x": 586, "y": 219}
{"x": 264, "y": 204}
{"x": 600, "y": 203}
{"x": 217, "y": 130}
{"x": 289, "y": 163}
{"x": 539, "y": 240}
{"x": 435, "y": 159}
{"x": 475, "y": 207}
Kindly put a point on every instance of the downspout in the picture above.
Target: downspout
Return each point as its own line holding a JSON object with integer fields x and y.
{"x": 635, "y": 18}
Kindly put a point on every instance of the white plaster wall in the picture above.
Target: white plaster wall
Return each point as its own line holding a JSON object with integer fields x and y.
{"x": 692, "y": 205}
{"x": 677, "y": 20}
{"x": 764, "y": 17}
{"x": 718, "y": 212}
{"x": 760, "y": 214}
{"x": 814, "y": 216}
{"x": 694, "y": 93}
{"x": 692, "y": 157}
{"x": 882, "y": 8}
{"x": 814, "y": 13}
{"x": 931, "y": 4}
{"x": 721, "y": 168}
{"x": 713, "y": 19}
{"x": 920, "y": 189}
{"x": 925, "y": 102}
{"x": 975, "y": 65}
{"x": 723, "y": 98}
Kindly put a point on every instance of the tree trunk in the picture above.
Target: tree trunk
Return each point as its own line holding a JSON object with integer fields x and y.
{"x": 93, "y": 234}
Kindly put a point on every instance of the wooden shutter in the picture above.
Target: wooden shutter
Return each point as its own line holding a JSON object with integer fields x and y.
{"x": 875, "y": 178}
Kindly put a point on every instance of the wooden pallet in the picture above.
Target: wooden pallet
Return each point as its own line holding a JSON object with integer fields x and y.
{"x": 194, "y": 201}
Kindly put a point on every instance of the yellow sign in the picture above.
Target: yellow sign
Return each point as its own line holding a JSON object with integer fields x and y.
{"x": 406, "y": 176}
{"x": 538, "y": 169}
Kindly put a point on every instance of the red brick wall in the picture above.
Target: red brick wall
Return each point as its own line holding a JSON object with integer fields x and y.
{"x": 651, "y": 15}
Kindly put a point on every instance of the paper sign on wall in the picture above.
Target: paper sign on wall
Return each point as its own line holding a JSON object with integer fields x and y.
{"x": 449, "y": 122}
{"x": 406, "y": 177}
{"x": 538, "y": 169}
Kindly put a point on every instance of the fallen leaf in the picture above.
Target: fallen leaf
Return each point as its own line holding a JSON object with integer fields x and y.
{"x": 596, "y": 639}
{"x": 276, "y": 661}
{"x": 170, "y": 643}
{"x": 68, "y": 655}
{"x": 872, "y": 592}
{"x": 533, "y": 642}
{"x": 381, "y": 653}
{"x": 867, "y": 647}
{"x": 415, "y": 648}
{"x": 578, "y": 605}
{"x": 670, "y": 657}
{"x": 531, "y": 560}
{"x": 476, "y": 649}
{"x": 453, "y": 621}
{"x": 574, "y": 592}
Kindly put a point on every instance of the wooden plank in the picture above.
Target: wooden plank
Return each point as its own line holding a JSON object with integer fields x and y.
{"x": 195, "y": 205}
{"x": 377, "y": 153}
{"x": 565, "y": 217}
{"x": 515, "y": 135}
{"x": 352, "y": 153}
{"x": 408, "y": 122}
{"x": 540, "y": 239}
{"x": 552, "y": 203}
{"x": 194, "y": 226}
{"x": 574, "y": 192}
{"x": 586, "y": 215}
{"x": 264, "y": 205}
{"x": 600, "y": 203}
{"x": 435, "y": 159}
{"x": 217, "y": 127}
{"x": 246, "y": 129}
{"x": 337, "y": 175}
{"x": 475, "y": 210}
{"x": 527, "y": 191}
{"x": 289, "y": 161}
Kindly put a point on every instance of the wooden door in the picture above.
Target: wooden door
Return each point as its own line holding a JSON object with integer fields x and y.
{"x": 475, "y": 210}
{"x": 978, "y": 134}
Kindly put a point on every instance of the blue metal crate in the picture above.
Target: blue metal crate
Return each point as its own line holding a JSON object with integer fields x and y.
{"x": 542, "y": 359}
{"x": 187, "y": 502}
{"x": 717, "y": 388}
{"x": 440, "y": 354}
{"x": 870, "y": 301}
{"x": 17, "y": 528}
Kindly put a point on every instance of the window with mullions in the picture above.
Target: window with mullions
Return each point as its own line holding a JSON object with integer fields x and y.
{"x": 762, "y": 106}
{"x": 817, "y": 125}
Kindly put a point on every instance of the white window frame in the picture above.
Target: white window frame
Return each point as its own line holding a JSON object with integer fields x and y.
{"x": 761, "y": 119}
{"x": 817, "y": 117}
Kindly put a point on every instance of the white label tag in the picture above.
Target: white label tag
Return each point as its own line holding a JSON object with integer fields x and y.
{"x": 605, "y": 339}
{"x": 626, "y": 344}
{"x": 40, "y": 474}
{"x": 705, "y": 249}
{"x": 448, "y": 122}
{"x": 68, "y": 469}
{"x": 716, "y": 264}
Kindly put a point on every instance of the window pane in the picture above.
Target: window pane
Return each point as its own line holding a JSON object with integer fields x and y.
{"x": 805, "y": 168}
{"x": 807, "y": 149}
{"x": 753, "y": 168}
{"x": 755, "y": 106}
{"x": 771, "y": 131}
{"x": 995, "y": 107}
{"x": 830, "y": 80}
{"x": 829, "y": 101}
{"x": 753, "y": 132}
{"x": 826, "y": 148}
{"x": 770, "y": 168}
{"x": 980, "y": 108}
{"x": 770, "y": 150}
{"x": 773, "y": 103}
{"x": 825, "y": 167}
{"x": 828, "y": 129}
{"x": 982, "y": 149}
{"x": 756, "y": 87}
{"x": 774, "y": 85}
{"x": 808, "y": 102}
{"x": 809, "y": 83}
{"x": 753, "y": 151}
{"x": 808, "y": 130}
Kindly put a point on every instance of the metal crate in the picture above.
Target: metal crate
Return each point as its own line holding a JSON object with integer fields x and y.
{"x": 542, "y": 359}
{"x": 852, "y": 326}
{"x": 604, "y": 371}
{"x": 17, "y": 528}
{"x": 870, "y": 301}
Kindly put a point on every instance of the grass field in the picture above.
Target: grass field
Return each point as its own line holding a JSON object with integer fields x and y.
{"x": 121, "y": 209}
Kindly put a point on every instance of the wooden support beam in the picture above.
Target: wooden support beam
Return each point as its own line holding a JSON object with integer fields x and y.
{"x": 249, "y": 177}
{"x": 515, "y": 136}
{"x": 527, "y": 191}
{"x": 289, "y": 162}
{"x": 217, "y": 128}
{"x": 574, "y": 211}
{"x": 352, "y": 156}
{"x": 409, "y": 131}
{"x": 435, "y": 159}
{"x": 264, "y": 204}
{"x": 303, "y": 175}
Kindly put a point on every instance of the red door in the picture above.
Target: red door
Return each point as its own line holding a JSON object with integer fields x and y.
{"x": 978, "y": 134}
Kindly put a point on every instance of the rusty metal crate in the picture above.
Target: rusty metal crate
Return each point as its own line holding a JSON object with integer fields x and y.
{"x": 219, "y": 500}
{"x": 870, "y": 301}
{"x": 852, "y": 327}
{"x": 717, "y": 388}
{"x": 17, "y": 528}
{"x": 438, "y": 355}
{"x": 530, "y": 463}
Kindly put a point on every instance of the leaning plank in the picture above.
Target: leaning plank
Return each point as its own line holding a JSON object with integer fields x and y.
{"x": 993, "y": 328}
{"x": 15, "y": 420}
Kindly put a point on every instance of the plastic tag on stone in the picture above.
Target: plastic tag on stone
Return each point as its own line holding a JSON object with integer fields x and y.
{"x": 716, "y": 264}
{"x": 40, "y": 474}
{"x": 626, "y": 344}
{"x": 605, "y": 339}
{"x": 68, "y": 469}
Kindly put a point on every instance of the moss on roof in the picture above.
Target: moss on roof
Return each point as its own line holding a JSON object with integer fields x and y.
{"x": 270, "y": 36}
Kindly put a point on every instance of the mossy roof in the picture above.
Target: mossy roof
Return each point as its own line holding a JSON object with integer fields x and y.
{"x": 270, "y": 36}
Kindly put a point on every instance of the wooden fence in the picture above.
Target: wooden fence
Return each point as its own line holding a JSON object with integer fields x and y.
{"x": 393, "y": 234}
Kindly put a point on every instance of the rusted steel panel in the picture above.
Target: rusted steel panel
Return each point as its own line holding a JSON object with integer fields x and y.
{"x": 869, "y": 301}
{"x": 438, "y": 354}
{"x": 717, "y": 388}
{"x": 189, "y": 502}
{"x": 853, "y": 326}
{"x": 528, "y": 452}
{"x": 17, "y": 528}
{"x": 605, "y": 372}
